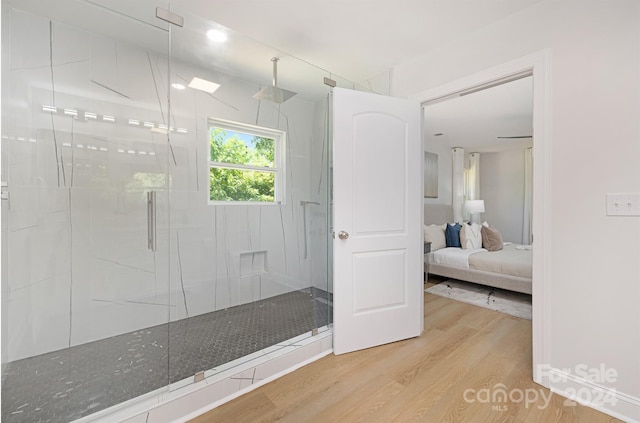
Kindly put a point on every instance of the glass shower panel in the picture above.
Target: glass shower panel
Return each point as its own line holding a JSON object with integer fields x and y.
{"x": 84, "y": 140}
{"x": 246, "y": 279}
{"x": 121, "y": 274}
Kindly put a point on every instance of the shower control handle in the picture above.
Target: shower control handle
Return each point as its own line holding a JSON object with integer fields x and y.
{"x": 343, "y": 235}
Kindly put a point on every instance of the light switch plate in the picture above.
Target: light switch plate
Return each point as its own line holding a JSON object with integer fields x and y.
{"x": 623, "y": 204}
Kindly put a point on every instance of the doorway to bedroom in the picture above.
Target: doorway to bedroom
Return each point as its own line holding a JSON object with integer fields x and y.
{"x": 485, "y": 138}
{"x": 488, "y": 134}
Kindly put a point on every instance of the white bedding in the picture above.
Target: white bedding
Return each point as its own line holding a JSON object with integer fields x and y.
{"x": 511, "y": 260}
{"x": 509, "y": 268}
{"x": 453, "y": 256}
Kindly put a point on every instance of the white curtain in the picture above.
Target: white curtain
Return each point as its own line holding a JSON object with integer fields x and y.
{"x": 527, "y": 236}
{"x": 471, "y": 182}
{"x": 474, "y": 177}
{"x": 457, "y": 189}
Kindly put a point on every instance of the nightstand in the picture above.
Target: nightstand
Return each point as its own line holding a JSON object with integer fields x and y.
{"x": 427, "y": 250}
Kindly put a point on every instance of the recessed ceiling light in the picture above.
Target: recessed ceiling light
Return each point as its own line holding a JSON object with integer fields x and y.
{"x": 203, "y": 85}
{"x": 217, "y": 36}
{"x": 178, "y": 86}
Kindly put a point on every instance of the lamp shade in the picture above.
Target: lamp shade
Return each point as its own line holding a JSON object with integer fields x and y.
{"x": 474, "y": 206}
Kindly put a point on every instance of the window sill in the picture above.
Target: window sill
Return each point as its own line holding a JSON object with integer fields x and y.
{"x": 245, "y": 203}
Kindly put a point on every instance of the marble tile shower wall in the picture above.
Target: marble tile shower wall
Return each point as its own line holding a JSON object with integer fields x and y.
{"x": 78, "y": 264}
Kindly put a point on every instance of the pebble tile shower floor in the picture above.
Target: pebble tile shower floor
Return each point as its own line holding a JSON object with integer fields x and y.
{"x": 65, "y": 385}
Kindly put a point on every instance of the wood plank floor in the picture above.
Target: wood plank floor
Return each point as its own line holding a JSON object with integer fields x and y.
{"x": 417, "y": 380}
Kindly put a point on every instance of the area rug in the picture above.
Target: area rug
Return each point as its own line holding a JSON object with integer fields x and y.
{"x": 508, "y": 302}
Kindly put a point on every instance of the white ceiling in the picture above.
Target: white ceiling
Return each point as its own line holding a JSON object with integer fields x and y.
{"x": 353, "y": 39}
{"x": 475, "y": 121}
{"x": 356, "y": 39}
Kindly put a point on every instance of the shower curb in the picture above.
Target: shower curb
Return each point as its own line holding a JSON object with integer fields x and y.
{"x": 193, "y": 399}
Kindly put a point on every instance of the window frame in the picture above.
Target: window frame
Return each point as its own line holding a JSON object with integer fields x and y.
{"x": 279, "y": 160}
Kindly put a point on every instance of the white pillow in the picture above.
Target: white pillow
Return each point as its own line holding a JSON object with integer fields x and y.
{"x": 435, "y": 235}
{"x": 471, "y": 236}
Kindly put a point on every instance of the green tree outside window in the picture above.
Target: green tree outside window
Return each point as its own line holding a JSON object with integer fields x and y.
{"x": 243, "y": 167}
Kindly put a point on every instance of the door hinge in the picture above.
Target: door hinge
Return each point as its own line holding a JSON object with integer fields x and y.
{"x": 330, "y": 82}
{"x": 170, "y": 17}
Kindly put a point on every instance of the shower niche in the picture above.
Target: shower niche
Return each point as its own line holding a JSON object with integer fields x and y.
{"x": 253, "y": 263}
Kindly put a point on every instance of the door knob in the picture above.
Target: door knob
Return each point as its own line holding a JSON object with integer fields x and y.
{"x": 343, "y": 235}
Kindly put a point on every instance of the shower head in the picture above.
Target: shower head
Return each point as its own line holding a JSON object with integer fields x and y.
{"x": 274, "y": 93}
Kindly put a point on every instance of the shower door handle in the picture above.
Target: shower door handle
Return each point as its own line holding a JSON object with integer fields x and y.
{"x": 152, "y": 243}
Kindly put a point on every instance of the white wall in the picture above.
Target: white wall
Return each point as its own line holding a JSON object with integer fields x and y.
{"x": 502, "y": 189}
{"x": 594, "y": 270}
{"x": 78, "y": 264}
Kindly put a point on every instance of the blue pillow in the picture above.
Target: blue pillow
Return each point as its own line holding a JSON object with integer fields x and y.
{"x": 452, "y": 235}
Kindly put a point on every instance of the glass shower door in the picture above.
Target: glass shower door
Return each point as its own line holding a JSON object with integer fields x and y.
{"x": 248, "y": 278}
{"x": 85, "y": 154}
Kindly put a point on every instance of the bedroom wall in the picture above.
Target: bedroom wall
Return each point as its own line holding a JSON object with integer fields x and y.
{"x": 502, "y": 189}
{"x": 593, "y": 282}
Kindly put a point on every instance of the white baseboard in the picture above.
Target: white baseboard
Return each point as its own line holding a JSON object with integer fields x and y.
{"x": 607, "y": 400}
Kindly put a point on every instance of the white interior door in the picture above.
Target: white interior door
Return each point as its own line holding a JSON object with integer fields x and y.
{"x": 378, "y": 286}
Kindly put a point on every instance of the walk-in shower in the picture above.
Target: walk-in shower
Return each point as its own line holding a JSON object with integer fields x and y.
{"x": 121, "y": 274}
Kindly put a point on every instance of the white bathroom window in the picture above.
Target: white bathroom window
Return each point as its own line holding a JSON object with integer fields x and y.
{"x": 246, "y": 163}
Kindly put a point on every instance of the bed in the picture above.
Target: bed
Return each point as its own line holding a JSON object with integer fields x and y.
{"x": 508, "y": 268}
